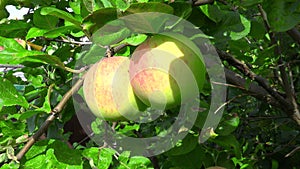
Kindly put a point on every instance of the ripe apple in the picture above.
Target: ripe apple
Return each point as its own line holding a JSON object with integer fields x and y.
{"x": 108, "y": 92}
{"x": 167, "y": 70}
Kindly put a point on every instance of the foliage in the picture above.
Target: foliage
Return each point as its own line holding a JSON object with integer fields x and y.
{"x": 254, "y": 132}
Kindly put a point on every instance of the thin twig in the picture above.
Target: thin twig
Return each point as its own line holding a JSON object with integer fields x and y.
{"x": 292, "y": 152}
{"x": 202, "y": 2}
{"x": 73, "y": 42}
{"x": 243, "y": 68}
{"x": 11, "y": 66}
{"x": 287, "y": 84}
{"x": 295, "y": 34}
{"x": 229, "y": 101}
{"x": 76, "y": 71}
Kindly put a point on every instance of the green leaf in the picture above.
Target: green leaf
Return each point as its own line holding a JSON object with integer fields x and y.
{"x": 192, "y": 160}
{"x": 60, "y": 14}
{"x": 240, "y": 30}
{"x": 75, "y": 5}
{"x": 36, "y": 80}
{"x": 139, "y": 162}
{"x": 44, "y": 22}
{"x": 56, "y": 153}
{"x": 29, "y": 114}
{"x": 229, "y": 142}
{"x": 65, "y": 155}
{"x": 14, "y": 29}
{"x": 9, "y": 95}
{"x": 149, "y": 18}
{"x": 13, "y": 53}
{"x": 122, "y": 5}
{"x": 257, "y": 30}
{"x": 92, "y": 154}
{"x": 11, "y": 165}
{"x": 90, "y": 5}
{"x": 60, "y": 31}
{"x": 105, "y": 158}
{"x": 248, "y": 3}
{"x": 35, "y": 32}
{"x": 149, "y": 7}
{"x": 110, "y": 34}
{"x": 106, "y": 3}
{"x": 8, "y": 110}
{"x": 182, "y": 9}
{"x": 188, "y": 144}
{"x": 92, "y": 55}
{"x": 99, "y": 18}
{"x": 38, "y": 148}
{"x": 282, "y": 15}
{"x": 233, "y": 26}
{"x": 129, "y": 129}
{"x": 124, "y": 157}
{"x": 135, "y": 40}
{"x": 212, "y": 12}
{"x": 7, "y": 126}
{"x": 35, "y": 162}
{"x": 228, "y": 126}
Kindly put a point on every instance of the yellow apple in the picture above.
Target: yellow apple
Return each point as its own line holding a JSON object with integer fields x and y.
{"x": 167, "y": 70}
{"x": 108, "y": 92}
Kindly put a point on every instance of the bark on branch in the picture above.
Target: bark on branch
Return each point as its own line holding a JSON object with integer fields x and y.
{"x": 56, "y": 111}
{"x": 244, "y": 69}
{"x": 294, "y": 34}
{"x": 50, "y": 119}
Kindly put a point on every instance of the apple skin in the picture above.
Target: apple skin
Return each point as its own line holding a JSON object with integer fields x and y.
{"x": 108, "y": 92}
{"x": 167, "y": 70}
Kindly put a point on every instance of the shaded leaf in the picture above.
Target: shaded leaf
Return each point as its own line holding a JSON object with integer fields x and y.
{"x": 181, "y": 9}
{"x": 212, "y": 12}
{"x": 90, "y": 5}
{"x": 228, "y": 126}
{"x": 60, "y": 14}
{"x": 229, "y": 142}
{"x": 29, "y": 114}
{"x": 192, "y": 160}
{"x": 14, "y": 29}
{"x": 60, "y": 31}
{"x": 188, "y": 144}
{"x": 106, "y": 3}
{"x": 135, "y": 40}
{"x": 282, "y": 15}
{"x": 110, "y": 34}
{"x": 9, "y": 95}
{"x": 93, "y": 54}
{"x": 148, "y": 7}
{"x": 44, "y": 22}
{"x": 248, "y": 3}
{"x": 99, "y": 18}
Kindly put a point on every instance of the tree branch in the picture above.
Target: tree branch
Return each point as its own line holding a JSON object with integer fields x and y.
{"x": 253, "y": 89}
{"x": 51, "y": 118}
{"x": 243, "y": 68}
{"x": 295, "y": 34}
{"x": 287, "y": 84}
{"x": 57, "y": 110}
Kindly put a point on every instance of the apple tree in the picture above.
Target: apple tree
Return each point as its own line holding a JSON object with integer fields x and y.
{"x": 45, "y": 54}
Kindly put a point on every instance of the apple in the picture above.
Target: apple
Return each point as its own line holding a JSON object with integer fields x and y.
{"x": 167, "y": 70}
{"x": 108, "y": 92}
